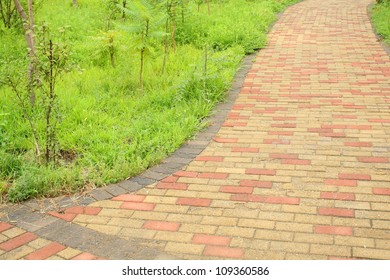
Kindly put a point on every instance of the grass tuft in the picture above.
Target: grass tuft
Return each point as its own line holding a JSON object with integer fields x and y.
{"x": 381, "y": 20}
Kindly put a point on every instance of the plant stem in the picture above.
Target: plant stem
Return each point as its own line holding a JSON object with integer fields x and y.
{"x": 29, "y": 119}
{"x": 182, "y": 11}
{"x": 165, "y": 46}
{"x": 124, "y": 2}
{"x": 173, "y": 34}
{"x": 28, "y": 27}
{"x": 141, "y": 69}
{"x": 143, "y": 39}
{"x": 205, "y": 67}
{"x": 111, "y": 50}
{"x": 49, "y": 128}
{"x": 205, "y": 61}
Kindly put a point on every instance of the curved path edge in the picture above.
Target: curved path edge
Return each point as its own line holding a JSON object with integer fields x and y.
{"x": 31, "y": 215}
{"x": 175, "y": 162}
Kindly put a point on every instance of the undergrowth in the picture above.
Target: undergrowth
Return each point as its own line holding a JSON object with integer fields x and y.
{"x": 381, "y": 19}
{"x": 108, "y": 130}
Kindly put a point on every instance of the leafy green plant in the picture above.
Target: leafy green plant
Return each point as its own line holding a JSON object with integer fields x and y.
{"x": 146, "y": 22}
{"x": 171, "y": 10}
{"x": 107, "y": 47}
{"x": 52, "y": 62}
{"x": 115, "y": 7}
{"x": 8, "y": 13}
{"x": 14, "y": 77}
{"x": 199, "y": 3}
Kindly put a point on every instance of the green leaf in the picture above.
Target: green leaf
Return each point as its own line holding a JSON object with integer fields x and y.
{"x": 158, "y": 34}
{"x": 133, "y": 28}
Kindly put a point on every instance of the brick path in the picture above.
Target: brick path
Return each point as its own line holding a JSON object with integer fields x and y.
{"x": 299, "y": 170}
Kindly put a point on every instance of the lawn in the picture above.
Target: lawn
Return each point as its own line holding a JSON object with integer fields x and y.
{"x": 110, "y": 119}
{"x": 381, "y": 19}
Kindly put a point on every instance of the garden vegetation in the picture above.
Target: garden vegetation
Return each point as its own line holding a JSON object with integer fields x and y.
{"x": 96, "y": 91}
{"x": 381, "y": 19}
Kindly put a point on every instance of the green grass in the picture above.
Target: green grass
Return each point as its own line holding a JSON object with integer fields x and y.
{"x": 381, "y": 20}
{"x": 108, "y": 130}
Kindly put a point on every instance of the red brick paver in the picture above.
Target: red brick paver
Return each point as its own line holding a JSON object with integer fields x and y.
{"x": 45, "y": 252}
{"x": 16, "y": 243}
{"x": 85, "y": 256}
